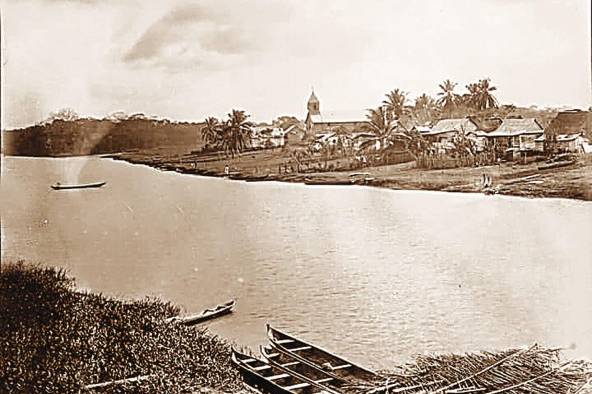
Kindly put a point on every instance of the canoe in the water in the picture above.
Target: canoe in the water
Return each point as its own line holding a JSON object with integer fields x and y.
{"x": 273, "y": 379}
{"x": 319, "y": 357}
{"x": 333, "y": 182}
{"x": 59, "y": 186}
{"x": 207, "y": 314}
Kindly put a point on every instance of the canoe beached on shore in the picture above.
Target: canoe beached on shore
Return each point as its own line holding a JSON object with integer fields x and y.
{"x": 207, "y": 314}
{"x": 285, "y": 360}
{"x": 318, "y": 357}
{"x": 274, "y": 379}
{"x": 59, "y": 186}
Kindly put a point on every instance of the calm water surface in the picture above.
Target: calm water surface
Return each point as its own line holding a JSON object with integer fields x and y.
{"x": 376, "y": 275}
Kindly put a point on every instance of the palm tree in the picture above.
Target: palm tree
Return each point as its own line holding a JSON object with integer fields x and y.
{"x": 395, "y": 102}
{"x": 389, "y": 136}
{"x": 236, "y": 134}
{"x": 211, "y": 132}
{"x": 486, "y": 98}
{"x": 425, "y": 108}
{"x": 448, "y": 99}
{"x": 479, "y": 96}
{"x": 383, "y": 125}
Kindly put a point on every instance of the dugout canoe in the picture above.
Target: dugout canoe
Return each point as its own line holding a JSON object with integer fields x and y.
{"x": 319, "y": 357}
{"x": 272, "y": 379}
{"x": 59, "y": 186}
{"x": 207, "y": 314}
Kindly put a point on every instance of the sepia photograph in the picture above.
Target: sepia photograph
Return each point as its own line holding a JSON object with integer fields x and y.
{"x": 296, "y": 196}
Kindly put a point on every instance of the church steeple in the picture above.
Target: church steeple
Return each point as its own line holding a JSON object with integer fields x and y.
{"x": 313, "y": 104}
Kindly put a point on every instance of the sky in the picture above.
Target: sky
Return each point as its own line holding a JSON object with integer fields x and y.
{"x": 187, "y": 60}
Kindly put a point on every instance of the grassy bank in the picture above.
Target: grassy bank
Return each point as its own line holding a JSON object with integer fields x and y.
{"x": 573, "y": 181}
{"x": 54, "y": 339}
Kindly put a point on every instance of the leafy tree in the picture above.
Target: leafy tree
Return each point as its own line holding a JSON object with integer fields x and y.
{"x": 65, "y": 114}
{"x": 285, "y": 121}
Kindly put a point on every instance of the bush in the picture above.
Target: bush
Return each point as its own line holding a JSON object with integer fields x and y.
{"x": 55, "y": 339}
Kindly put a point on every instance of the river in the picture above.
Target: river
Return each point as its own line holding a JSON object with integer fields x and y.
{"x": 375, "y": 275}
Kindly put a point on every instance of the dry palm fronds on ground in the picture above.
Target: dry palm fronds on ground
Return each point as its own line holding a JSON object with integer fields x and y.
{"x": 534, "y": 370}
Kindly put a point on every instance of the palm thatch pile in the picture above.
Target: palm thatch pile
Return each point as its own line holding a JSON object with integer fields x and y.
{"x": 535, "y": 370}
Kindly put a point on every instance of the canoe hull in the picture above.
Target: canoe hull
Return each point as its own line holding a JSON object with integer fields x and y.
{"x": 82, "y": 186}
{"x": 220, "y": 310}
{"x": 255, "y": 379}
{"x": 318, "y": 357}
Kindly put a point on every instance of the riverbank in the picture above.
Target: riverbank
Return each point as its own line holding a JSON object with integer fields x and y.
{"x": 57, "y": 339}
{"x": 571, "y": 181}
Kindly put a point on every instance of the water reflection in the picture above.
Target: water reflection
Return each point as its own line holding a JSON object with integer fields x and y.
{"x": 374, "y": 274}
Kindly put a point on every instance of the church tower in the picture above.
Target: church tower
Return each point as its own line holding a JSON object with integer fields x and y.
{"x": 313, "y": 105}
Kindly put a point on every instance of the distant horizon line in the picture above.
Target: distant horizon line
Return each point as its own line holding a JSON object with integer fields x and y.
{"x": 202, "y": 120}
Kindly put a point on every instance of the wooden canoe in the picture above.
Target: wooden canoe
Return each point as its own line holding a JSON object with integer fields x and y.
{"x": 319, "y": 357}
{"x": 207, "y": 314}
{"x": 59, "y": 186}
{"x": 331, "y": 382}
{"x": 272, "y": 379}
{"x": 328, "y": 182}
{"x": 257, "y": 178}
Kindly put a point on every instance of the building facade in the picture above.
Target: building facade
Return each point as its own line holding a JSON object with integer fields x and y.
{"x": 318, "y": 122}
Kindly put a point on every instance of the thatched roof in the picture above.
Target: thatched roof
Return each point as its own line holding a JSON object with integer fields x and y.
{"x": 571, "y": 122}
{"x": 458, "y": 125}
{"x": 516, "y": 126}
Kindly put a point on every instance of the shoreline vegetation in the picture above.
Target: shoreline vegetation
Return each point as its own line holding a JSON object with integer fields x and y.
{"x": 457, "y": 141}
{"x": 58, "y": 339}
{"x": 568, "y": 179}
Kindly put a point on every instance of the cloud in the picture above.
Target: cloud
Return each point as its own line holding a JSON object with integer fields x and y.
{"x": 189, "y": 35}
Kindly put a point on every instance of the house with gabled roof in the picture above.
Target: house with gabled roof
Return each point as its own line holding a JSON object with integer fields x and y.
{"x": 570, "y": 131}
{"x": 442, "y": 134}
{"x": 517, "y": 134}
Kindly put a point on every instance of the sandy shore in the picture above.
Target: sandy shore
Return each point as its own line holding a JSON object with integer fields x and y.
{"x": 573, "y": 181}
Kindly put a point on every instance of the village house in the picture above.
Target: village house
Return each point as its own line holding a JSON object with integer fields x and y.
{"x": 442, "y": 134}
{"x": 294, "y": 134}
{"x": 516, "y": 137}
{"x": 263, "y": 137}
{"x": 318, "y": 122}
{"x": 569, "y": 131}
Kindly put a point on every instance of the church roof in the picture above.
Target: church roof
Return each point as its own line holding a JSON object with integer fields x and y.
{"x": 344, "y": 116}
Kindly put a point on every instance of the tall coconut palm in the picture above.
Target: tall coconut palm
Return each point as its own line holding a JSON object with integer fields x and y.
{"x": 448, "y": 99}
{"x": 486, "y": 98}
{"x": 395, "y": 102}
{"x": 425, "y": 108}
{"x": 236, "y": 134}
{"x": 480, "y": 96}
{"x": 211, "y": 132}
